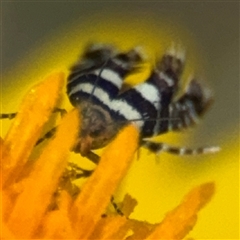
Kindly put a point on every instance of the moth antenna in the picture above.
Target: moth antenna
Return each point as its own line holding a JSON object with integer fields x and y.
{"x": 154, "y": 119}
{"x": 97, "y": 80}
{"x": 157, "y": 147}
{"x": 148, "y": 119}
{"x": 8, "y": 115}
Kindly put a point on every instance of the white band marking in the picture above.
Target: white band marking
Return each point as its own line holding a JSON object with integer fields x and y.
{"x": 110, "y": 76}
{"x": 150, "y": 93}
{"x": 168, "y": 80}
{"x": 120, "y": 106}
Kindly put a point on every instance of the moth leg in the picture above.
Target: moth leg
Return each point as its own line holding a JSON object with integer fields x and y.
{"x": 116, "y": 207}
{"x": 93, "y": 157}
{"x": 51, "y": 132}
{"x": 13, "y": 115}
{"x": 156, "y": 148}
{"x": 47, "y": 135}
{"x": 71, "y": 173}
{"x": 8, "y": 115}
{"x": 74, "y": 171}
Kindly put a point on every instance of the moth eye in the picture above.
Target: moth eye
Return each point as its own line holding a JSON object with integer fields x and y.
{"x": 95, "y": 133}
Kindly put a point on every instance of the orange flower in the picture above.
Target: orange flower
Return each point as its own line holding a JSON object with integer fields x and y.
{"x": 29, "y": 188}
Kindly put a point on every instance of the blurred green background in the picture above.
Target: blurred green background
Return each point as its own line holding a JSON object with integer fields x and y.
{"x": 44, "y": 35}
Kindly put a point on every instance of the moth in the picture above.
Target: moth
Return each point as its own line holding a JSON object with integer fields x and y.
{"x": 96, "y": 86}
{"x": 106, "y": 104}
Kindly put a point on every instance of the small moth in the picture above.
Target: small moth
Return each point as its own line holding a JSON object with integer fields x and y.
{"x": 96, "y": 86}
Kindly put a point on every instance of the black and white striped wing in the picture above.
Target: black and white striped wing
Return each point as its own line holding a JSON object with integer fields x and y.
{"x": 100, "y": 73}
{"x": 150, "y": 100}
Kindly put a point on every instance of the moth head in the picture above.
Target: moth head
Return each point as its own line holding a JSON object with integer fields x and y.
{"x": 97, "y": 128}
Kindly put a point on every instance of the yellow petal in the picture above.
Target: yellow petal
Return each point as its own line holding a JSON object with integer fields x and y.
{"x": 181, "y": 220}
{"x": 22, "y": 136}
{"x": 99, "y": 188}
{"x": 42, "y": 182}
